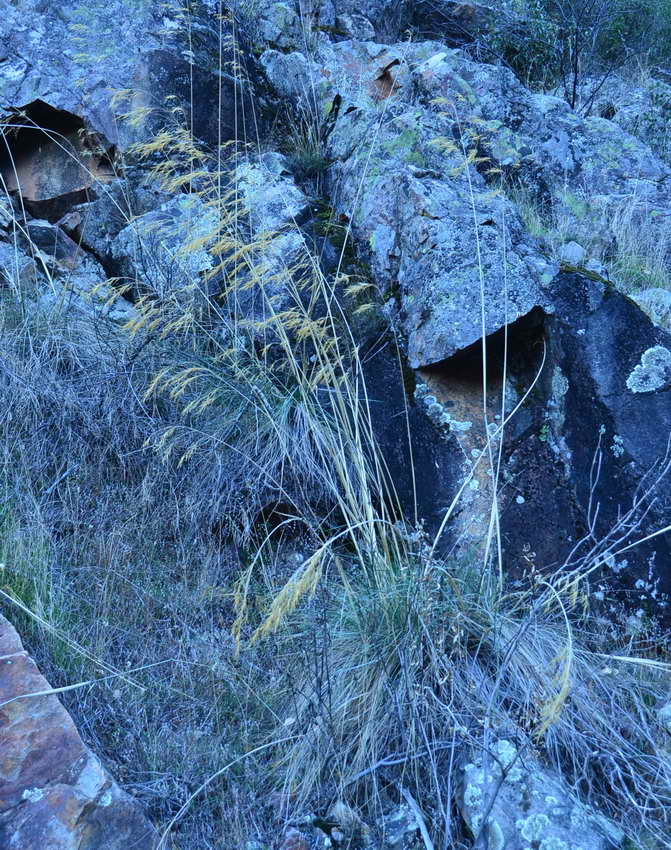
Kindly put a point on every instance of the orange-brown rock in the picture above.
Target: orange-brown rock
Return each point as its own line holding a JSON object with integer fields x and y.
{"x": 54, "y": 792}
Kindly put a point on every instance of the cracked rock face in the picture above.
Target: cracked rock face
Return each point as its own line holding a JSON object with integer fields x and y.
{"x": 54, "y": 793}
{"x": 99, "y": 60}
{"x": 433, "y": 232}
{"x": 401, "y": 121}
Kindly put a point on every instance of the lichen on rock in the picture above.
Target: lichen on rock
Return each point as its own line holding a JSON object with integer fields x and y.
{"x": 653, "y": 372}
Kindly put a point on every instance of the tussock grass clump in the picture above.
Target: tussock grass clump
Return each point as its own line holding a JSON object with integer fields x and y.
{"x": 403, "y": 668}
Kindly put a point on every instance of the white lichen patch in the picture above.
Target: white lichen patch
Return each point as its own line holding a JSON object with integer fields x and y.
{"x": 106, "y": 799}
{"x": 507, "y": 756}
{"x": 496, "y": 838}
{"x": 438, "y": 413}
{"x": 533, "y": 827}
{"x": 653, "y": 372}
{"x": 33, "y": 795}
{"x": 473, "y": 795}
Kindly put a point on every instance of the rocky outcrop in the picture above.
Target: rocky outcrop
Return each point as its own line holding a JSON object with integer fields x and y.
{"x": 421, "y": 140}
{"x": 54, "y": 793}
{"x": 402, "y": 122}
{"x": 420, "y": 159}
{"x": 98, "y": 61}
{"x": 416, "y": 213}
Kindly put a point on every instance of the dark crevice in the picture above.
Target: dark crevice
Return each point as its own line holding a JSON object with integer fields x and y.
{"x": 522, "y": 347}
{"x": 51, "y": 159}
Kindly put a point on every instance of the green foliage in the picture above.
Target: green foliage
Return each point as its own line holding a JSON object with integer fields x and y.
{"x": 525, "y": 36}
{"x": 551, "y": 42}
{"x": 639, "y": 27}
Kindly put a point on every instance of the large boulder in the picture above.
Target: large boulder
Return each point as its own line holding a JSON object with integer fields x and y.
{"x": 431, "y": 230}
{"x": 165, "y": 251}
{"x": 420, "y": 138}
{"x": 54, "y": 792}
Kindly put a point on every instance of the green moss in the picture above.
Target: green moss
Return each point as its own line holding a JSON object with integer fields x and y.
{"x": 403, "y": 147}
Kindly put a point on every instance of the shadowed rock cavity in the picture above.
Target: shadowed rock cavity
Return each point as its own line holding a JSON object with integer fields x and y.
{"x": 575, "y": 378}
{"x": 451, "y": 392}
{"x": 51, "y": 160}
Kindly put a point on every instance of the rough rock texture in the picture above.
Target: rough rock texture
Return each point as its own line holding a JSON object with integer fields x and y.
{"x": 657, "y": 304}
{"x": 531, "y": 807}
{"x": 599, "y": 340}
{"x": 415, "y": 211}
{"x": 388, "y": 18}
{"x": 165, "y": 250}
{"x": 54, "y": 793}
{"x": 95, "y": 225}
{"x": 395, "y": 414}
{"x": 454, "y": 22}
{"x": 90, "y": 52}
{"x": 604, "y": 391}
{"x": 644, "y": 110}
{"x": 274, "y": 209}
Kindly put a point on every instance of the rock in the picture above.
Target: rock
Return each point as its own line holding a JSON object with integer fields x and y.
{"x": 6, "y": 213}
{"x": 454, "y": 22}
{"x": 595, "y": 266}
{"x": 572, "y": 253}
{"x": 387, "y": 18}
{"x": 642, "y": 108}
{"x": 294, "y": 839}
{"x": 274, "y": 209}
{"x": 165, "y": 251}
{"x": 288, "y": 72}
{"x": 280, "y": 27}
{"x": 355, "y": 26}
{"x": 399, "y": 829}
{"x": 270, "y": 196}
{"x": 531, "y": 807}
{"x": 51, "y": 161}
{"x": 17, "y": 270}
{"x": 54, "y": 793}
{"x": 54, "y": 242}
{"x": 657, "y": 304}
{"x": 145, "y": 49}
{"x": 426, "y": 473}
{"x": 75, "y": 278}
{"x": 606, "y": 387}
{"x": 86, "y": 288}
{"x": 96, "y": 224}
{"x": 414, "y": 211}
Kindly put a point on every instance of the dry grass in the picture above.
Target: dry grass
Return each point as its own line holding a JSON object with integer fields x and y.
{"x": 343, "y": 663}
